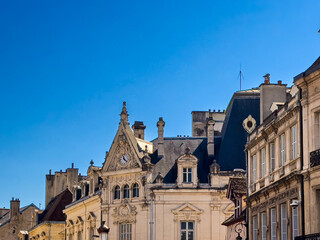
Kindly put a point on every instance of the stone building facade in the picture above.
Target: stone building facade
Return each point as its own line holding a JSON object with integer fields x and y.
{"x": 309, "y": 83}
{"x": 274, "y": 165}
{"x": 170, "y": 188}
{"x": 17, "y": 219}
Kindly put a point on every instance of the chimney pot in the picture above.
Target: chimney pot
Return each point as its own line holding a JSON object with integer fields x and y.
{"x": 279, "y": 82}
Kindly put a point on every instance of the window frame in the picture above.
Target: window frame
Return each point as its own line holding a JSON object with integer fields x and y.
{"x": 187, "y": 175}
{"x": 283, "y": 221}
{"x": 262, "y": 163}
{"x": 254, "y": 228}
{"x": 116, "y": 192}
{"x": 135, "y": 190}
{"x": 187, "y": 230}
{"x": 295, "y": 221}
{"x": 273, "y": 223}
{"x": 254, "y": 168}
{"x": 282, "y": 149}
{"x": 263, "y": 221}
{"x": 126, "y": 191}
{"x": 125, "y": 231}
{"x": 294, "y": 141}
{"x": 272, "y": 156}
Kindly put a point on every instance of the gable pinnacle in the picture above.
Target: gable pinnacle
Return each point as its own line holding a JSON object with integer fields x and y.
{"x": 124, "y": 114}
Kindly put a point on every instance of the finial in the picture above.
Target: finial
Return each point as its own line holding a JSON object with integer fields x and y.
{"x": 91, "y": 162}
{"x": 124, "y": 114}
{"x": 187, "y": 151}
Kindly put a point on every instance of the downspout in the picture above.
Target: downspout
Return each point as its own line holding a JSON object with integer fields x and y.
{"x": 301, "y": 163}
{"x": 151, "y": 215}
{"x": 247, "y": 192}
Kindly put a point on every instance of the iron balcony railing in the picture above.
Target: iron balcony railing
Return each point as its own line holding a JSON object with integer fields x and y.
{"x": 315, "y": 236}
{"x": 315, "y": 158}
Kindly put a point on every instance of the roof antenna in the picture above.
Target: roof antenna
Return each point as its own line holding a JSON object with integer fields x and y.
{"x": 240, "y": 76}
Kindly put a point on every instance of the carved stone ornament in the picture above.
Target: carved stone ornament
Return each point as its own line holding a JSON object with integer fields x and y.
{"x": 249, "y": 124}
{"x": 187, "y": 212}
{"x": 123, "y": 148}
{"x": 125, "y": 213}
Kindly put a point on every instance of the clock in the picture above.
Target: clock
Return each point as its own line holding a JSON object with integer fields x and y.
{"x": 124, "y": 159}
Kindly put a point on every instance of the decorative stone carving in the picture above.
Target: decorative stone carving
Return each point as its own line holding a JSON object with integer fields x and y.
{"x": 124, "y": 213}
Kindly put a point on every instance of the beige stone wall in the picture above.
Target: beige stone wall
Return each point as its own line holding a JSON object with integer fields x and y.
{"x": 48, "y": 230}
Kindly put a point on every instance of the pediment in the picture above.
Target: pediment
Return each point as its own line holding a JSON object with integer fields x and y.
{"x": 187, "y": 208}
{"x": 124, "y": 144}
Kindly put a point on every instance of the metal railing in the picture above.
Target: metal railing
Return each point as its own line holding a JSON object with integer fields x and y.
{"x": 315, "y": 158}
{"x": 315, "y": 236}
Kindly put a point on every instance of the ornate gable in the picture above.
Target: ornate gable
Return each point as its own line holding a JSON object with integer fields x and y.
{"x": 124, "y": 152}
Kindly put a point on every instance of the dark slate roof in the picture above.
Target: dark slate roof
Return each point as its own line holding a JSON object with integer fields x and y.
{"x": 174, "y": 148}
{"x": 237, "y": 185}
{"x": 53, "y": 211}
{"x": 234, "y": 137}
{"x": 229, "y": 147}
{"x": 314, "y": 67}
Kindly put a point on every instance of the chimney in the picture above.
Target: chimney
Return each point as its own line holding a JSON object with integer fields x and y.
{"x": 138, "y": 129}
{"x": 14, "y": 208}
{"x": 160, "y": 125}
{"x": 270, "y": 93}
{"x": 210, "y": 137}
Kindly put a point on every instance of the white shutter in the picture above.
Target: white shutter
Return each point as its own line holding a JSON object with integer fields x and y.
{"x": 284, "y": 222}
{"x": 255, "y": 228}
{"x": 254, "y": 168}
{"x": 283, "y": 149}
{"x": 273, "y": 214}
{"x": 295, "y": 222}
{"x": 264, "y": 226}
{"x": 262, "y": 162}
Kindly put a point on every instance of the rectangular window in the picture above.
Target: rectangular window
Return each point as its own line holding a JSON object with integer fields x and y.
{"x": 282, "y": 149}
{"x": 262, "y": 162}
{"x": 294, "y": 143}
{"x": 187, "y": 175}
{"x": 263, "y": 226}
{"x": 255, "y": 228}
{"x": 237, "y": 209}
{"x": 273, "y": 222}
{"x": 125, "y": 231}
{"x": 295, "y": 222}
{"x": 272, "y": 157}
{"x": 283, "y": 216}
{"x": 187, "y": 231}
{"x": 254, "y": 168}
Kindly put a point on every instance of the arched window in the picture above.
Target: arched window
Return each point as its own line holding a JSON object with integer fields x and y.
{"x": 116, "y": 192}
{"x": 135, "y": 190}
{"x": 126, "y": 191}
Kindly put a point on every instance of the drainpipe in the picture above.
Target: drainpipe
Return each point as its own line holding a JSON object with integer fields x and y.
{"x": 301, "y": 163}
{"x": 247, "y": 192}
{"x": 151, "y": 215}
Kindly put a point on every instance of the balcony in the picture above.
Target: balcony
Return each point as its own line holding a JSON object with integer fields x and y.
{"x": 315, "y": 158}
{"x": 315, "y": 236}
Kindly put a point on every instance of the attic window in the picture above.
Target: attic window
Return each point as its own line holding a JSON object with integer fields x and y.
{"x": 187, "y": 175}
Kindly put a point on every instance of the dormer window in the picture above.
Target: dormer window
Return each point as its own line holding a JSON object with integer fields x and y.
{"x": 187, "y": 175}
{"x": 126, "y": 191}
{"x": 187, "y": 170}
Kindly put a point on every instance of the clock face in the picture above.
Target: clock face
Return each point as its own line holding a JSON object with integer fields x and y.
{"x": 124, "y": 159}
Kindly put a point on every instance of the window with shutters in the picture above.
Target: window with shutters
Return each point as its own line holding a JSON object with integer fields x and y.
{"x": 273, "y": 223}
{"x": 262, "y": 162}
{"x": 254, "y": 168}
{"x": 255, "y": 228}
{"x": 263, "y": 216}
{"x": 294, "y": 142}
{"x": 283, "y": 217}
{"x": 295, "y": 222}
{"x": 282, "y": 149}
{"x": 272, "y": 157}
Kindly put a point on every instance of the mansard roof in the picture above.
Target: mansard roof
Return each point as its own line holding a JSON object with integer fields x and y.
{"x": 229, "y": 147}
{"x": 314, "y": 67}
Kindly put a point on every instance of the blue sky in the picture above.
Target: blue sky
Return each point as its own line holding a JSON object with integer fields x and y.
{"x": 66, "y": 67}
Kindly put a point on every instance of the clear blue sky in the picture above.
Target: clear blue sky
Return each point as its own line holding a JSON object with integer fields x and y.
{"x": 66, "y": 67}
